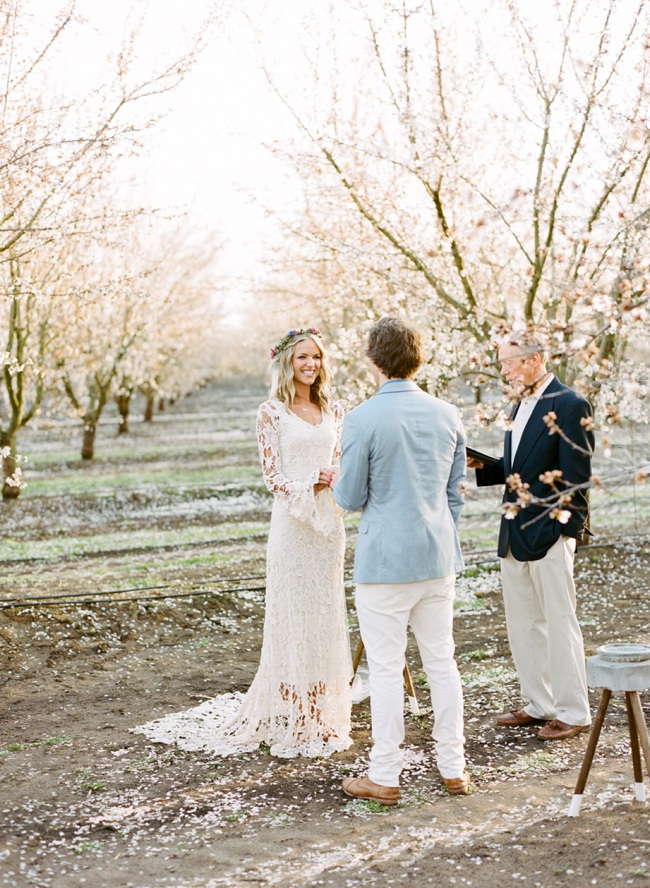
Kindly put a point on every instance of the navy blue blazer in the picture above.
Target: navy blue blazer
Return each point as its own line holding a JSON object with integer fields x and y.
{"x": 531, "y": 533}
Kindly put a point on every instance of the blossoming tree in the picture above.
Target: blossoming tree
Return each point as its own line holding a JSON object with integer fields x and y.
{"x": 497, "y": 167}
{"x": 59, "y": 146}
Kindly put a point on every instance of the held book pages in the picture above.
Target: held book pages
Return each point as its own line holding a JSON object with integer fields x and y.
{"x": 482, "y": 457}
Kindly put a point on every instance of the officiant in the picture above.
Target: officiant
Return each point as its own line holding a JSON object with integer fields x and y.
{"x": 549, "y": 445}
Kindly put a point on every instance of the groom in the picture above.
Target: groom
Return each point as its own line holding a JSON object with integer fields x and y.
{"x": 403, "y": 462}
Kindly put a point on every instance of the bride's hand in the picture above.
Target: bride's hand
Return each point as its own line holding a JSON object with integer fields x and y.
{"x": 324, "y": 480}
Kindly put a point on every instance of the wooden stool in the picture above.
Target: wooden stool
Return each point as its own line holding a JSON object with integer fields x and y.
{"x": 408, "y": 681}
{"x": 617, "y": 676}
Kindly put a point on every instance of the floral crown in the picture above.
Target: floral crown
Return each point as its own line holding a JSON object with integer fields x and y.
{"x": 284, "y": 342}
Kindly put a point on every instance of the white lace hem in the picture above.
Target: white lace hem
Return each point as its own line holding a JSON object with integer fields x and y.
{"x": 205, "y": 729}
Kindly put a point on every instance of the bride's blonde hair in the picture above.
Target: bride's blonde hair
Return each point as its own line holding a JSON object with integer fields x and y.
{"x": 282, "y": 385}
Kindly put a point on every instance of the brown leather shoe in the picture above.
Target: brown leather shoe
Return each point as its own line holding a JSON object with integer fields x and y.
{"x": 457, "y": 785}
{"x": 516, "y": 718}
{"x": 557, "y": 730}
{"x": 364, "y": 788}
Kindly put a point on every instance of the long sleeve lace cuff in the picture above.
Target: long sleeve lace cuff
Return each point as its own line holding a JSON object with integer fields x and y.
{"x": 318, "y": 510}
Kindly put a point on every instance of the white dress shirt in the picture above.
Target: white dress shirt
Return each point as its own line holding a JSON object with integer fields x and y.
{"x": 526, "y": 407}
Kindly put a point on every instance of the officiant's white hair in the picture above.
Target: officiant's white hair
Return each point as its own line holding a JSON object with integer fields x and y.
{"x": 530, "y": 339}
{"x": 282, "y": 386}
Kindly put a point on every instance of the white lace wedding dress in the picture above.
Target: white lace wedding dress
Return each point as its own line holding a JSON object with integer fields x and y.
{"x": 299, "y": 701}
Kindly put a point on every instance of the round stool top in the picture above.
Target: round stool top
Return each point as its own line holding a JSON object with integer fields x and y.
{"x": 618, "y": 676}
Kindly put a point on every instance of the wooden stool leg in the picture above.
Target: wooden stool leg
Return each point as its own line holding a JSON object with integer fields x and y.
{"x": 576, "y": 801}
{"x": 410, "y": 691}
{"x": 642, "y": 730}
{"x": 357, "y": 658}
{"x": 639, "y": 788}
{"x": 408, "y": 681}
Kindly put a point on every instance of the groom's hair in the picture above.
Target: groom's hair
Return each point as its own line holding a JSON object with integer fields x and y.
{"x": 395, "y": 348}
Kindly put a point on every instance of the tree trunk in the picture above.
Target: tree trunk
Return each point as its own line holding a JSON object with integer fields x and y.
{"x": 9, "y": 466}
{"x": 148, "y": 408}
{"x": 9, "y": 491}
{"x": 123, "y": 403}
{"x": 161, "y": 405}
{"x": 88, "y": 446}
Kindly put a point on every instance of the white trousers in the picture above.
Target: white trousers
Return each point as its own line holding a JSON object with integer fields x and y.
{"x": 544, "y": 634}
{"x": 384, "y": 612}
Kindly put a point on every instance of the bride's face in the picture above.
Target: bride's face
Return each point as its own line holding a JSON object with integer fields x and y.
{"x": 306, "y": 362}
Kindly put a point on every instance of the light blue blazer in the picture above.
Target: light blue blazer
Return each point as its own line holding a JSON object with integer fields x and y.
{"x": 403, "y": 460}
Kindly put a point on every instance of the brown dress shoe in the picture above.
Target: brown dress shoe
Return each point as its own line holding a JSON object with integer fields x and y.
{"x": 364, "y": 788}
{"x": 557, "y": 730}
{"x": 457, "y": 785}
{"x": 517, "y": 717}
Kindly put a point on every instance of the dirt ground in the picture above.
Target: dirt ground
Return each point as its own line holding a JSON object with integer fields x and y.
{"x": 85, "y": 801}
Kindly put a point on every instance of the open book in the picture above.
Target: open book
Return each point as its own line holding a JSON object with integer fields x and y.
{"x": 482, "y": 457}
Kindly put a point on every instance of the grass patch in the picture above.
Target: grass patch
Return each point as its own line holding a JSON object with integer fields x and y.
{"x": 141, "y": 765}
{"x": 477, "y": 655}
{"x": 57, "y": 741}
{"x": 18, "y": 747}
{"x": 472, "y": 604}
{"x": 418, "y": 800}
{"x": 238, "y": 817}
{"x": 471, "y": 572}
{"x": 536, "y": 761}
{"x": 85, "y": 783}
{"x": 281, "y": 818}
{"x": 367, "y": 806}
{"x": 212, "y": 558}
{"x": 71, "y": 547}
{"x": 479, "y": 537}
{"x": 136, "y": 449}
{"x": 87, "y": 846}
{"x": 112, "y": 479}
{"x": 35, "y": 744}
{"x": 494, "y": 677}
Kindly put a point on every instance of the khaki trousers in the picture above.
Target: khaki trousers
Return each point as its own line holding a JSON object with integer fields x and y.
{"x": 544, "y": 634}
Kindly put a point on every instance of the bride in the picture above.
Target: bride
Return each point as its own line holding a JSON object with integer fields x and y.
{"x": 299, "y": 701}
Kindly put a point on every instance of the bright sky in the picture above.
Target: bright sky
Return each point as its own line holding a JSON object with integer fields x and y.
{"x": 212, "y": 152}
{"x": 208, "y": 153}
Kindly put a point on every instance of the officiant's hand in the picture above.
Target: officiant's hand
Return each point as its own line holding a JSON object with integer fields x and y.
{"x": 474, "y": 463}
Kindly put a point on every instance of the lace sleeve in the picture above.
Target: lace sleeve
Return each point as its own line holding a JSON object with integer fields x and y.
{"x": 298, "y": 494}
